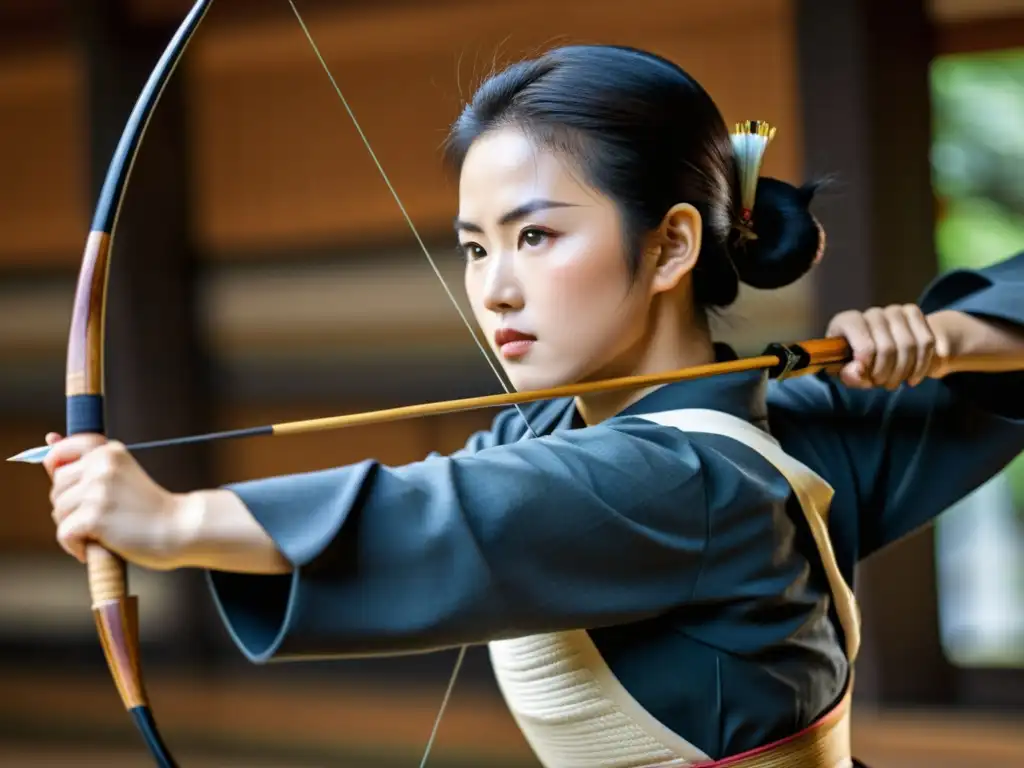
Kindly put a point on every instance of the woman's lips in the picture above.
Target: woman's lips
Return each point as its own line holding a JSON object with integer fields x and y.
{"x": 513, "y": 344}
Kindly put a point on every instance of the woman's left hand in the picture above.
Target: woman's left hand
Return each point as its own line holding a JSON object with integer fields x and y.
{"x": 100, "y": 494}
{"x": 893, "y": 345}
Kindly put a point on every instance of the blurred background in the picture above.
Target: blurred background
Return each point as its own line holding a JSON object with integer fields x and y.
{"x": 263, "y": 272}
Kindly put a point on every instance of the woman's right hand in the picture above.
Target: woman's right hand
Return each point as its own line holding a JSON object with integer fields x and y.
{"x": 892, "y": 346}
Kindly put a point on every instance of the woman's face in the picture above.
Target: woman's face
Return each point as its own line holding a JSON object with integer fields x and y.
{"x": 546, "y": 269}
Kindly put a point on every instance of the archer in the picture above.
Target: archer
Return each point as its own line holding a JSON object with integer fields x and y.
{"x": 659, "y": 545}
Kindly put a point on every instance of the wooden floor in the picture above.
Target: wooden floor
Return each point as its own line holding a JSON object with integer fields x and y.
{"x": 247, "y": 724}
{"x": 72, "y": 756}
{"x": 48, "y": 757}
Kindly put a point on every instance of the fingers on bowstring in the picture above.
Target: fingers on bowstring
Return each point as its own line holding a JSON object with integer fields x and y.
{"x": 891, "y": 346}
{"x": 925, "y": 341}
{"x": 852, "y": 375}
{"x": 854, "y": 328}
{"x": 905, "y": 347}
{"x": 883, "y": 346}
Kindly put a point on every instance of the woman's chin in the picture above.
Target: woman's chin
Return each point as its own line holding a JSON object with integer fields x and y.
{"x": 525, "y": 380}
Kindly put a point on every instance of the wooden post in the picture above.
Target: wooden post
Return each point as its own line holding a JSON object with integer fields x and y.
{"x": 864, "y": 81}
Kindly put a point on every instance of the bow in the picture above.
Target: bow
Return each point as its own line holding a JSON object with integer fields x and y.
{"x": 115, "y": 611}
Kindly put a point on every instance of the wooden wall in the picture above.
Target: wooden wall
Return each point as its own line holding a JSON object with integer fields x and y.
{"x": 277, "y": 162}
{"x": 278, "y": 172}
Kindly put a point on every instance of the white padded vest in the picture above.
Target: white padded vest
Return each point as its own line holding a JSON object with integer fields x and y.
{"x": 570, "y": 707}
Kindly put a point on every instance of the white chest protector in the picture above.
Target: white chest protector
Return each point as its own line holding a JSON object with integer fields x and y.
{"x": 575, "y": 713}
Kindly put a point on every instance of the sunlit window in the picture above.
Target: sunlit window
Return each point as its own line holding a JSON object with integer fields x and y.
{"x": 978, "y": 173}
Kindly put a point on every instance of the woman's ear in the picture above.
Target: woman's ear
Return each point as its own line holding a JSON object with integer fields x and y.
{"x": 674, "y": 247}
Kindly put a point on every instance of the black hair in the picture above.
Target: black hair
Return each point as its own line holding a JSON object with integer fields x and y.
{"x": 647, "y": 135}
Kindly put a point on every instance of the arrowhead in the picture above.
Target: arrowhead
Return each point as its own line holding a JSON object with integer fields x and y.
{"x": 32, "y": 455}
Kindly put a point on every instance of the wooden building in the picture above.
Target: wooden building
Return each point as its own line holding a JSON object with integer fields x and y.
{"x": 263, "y": 272}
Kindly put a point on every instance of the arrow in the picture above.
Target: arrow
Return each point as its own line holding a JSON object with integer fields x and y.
{"x": 781, "y": 361}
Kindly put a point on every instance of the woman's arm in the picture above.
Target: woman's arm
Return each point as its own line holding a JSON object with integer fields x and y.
{"x": 912, "y": 452}
{"x": 215, "y": 530}
{"x": 101, "y": 493}
{"x": 981, "y": 344}
{"x": 587, "y": 528}
{"x": 583, "y": 528}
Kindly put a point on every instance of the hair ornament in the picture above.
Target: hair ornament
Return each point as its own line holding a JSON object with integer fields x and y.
{"x": 750, "y": 140}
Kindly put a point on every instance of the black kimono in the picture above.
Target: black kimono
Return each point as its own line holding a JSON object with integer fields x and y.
{"x": 684, "y": 555}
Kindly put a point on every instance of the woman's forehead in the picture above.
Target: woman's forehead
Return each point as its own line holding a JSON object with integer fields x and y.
{"x": 505, "y": 168}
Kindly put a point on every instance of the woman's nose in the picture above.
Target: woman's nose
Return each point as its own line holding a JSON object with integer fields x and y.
{"x": 502, "y": 291}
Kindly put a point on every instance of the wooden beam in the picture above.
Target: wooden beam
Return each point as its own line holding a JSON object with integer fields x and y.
{"x": 867, "y": 119}
{"x": 276, "y": 162}
{"x": 980, "y": 35}
{"x": 391, "y": 306}
{"x": 44, "y": 189}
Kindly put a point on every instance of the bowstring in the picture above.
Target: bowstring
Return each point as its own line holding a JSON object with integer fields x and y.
{"x": 451, "y": 297}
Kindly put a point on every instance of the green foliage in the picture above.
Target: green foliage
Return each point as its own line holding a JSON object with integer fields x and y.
{"x": 978, "y": 167}
{"x": 978, "y": 156}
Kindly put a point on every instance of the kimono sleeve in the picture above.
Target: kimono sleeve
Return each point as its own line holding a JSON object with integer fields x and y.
{"x": 993, "y": 293}
{"x": 913, "y": 453}
{"x": 580, "y": 528}
{"x": 512, "y": 424}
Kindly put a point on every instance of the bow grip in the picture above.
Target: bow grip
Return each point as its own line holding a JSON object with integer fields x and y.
{"x": 108, "y": 575}
{"x": 107, "y": 572}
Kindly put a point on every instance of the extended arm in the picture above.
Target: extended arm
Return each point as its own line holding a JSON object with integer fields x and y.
{"x": 585, "y": 528}
{"x": 215, "y": 530}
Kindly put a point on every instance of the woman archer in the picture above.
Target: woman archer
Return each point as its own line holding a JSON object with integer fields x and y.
{"x": 643, "y": 565}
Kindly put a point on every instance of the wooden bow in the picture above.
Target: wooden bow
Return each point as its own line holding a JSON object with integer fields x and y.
{"x": 115, "y": 611}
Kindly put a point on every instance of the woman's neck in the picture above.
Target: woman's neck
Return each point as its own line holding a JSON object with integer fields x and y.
{"x": 672, "y": 344}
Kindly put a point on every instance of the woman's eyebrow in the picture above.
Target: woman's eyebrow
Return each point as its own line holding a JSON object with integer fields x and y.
{"x": 515, "y": 214}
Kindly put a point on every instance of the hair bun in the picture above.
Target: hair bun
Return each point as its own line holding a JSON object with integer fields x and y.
{"x": 786, "y": 236}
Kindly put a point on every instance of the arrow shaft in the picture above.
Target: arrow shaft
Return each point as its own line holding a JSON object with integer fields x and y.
{"x": 784, "y": 360}
{"x": 812, "y": 355}
{"x": 421, "y": 410}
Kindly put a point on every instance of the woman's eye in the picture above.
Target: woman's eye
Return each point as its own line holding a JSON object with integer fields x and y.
{"x": 533, "y": 237}
{"x": 472, "y": 251}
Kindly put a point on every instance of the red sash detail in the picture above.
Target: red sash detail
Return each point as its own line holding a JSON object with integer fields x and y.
{"x": 809, "y": 748}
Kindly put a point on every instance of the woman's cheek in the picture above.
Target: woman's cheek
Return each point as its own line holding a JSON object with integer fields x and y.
{"x": 576, "y": 279}
{"x": 568, "y": 306}
{"x": 583, "y": 316}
